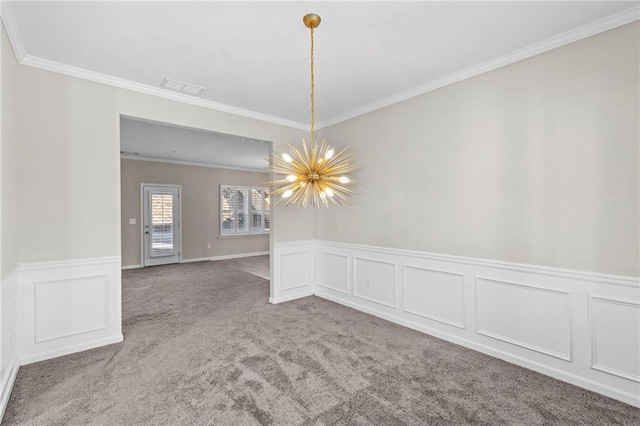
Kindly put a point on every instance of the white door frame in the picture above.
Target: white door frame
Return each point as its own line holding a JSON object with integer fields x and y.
{"x": 142, "y": 185}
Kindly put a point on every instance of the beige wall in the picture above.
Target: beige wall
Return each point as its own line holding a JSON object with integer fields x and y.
{"x": 9, "y": 156}
{"x": 69, "y": 166}
{"x": 200, "y": 208}
{"x": 536, "y": 162}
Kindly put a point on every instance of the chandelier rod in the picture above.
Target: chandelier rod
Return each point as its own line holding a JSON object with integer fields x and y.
{"x": 313, "y": 88}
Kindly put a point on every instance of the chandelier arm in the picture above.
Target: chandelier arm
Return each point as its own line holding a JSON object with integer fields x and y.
{"x": 345, "y": 191}
{"x": 345, "y": 199}
{"x": 296, "y": 197}
{"x": 335, "y": 165}
{"x": 277, "y": 182}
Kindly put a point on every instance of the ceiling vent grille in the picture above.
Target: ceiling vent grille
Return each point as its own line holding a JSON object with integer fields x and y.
{"x": 180, "y": 86}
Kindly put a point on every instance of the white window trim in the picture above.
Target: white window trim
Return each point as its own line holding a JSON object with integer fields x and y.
{"x": 250, "y": 231}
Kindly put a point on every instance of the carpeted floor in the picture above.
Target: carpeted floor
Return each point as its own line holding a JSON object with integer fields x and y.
{"x": 203, "y": 346}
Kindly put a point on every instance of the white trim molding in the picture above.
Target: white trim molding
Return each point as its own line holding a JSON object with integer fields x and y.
{"x": 561, "y": 324}
{"x": 68, "y": 306}
{"x": 9, "y": 341}
{"x": 456, "y": 295}
{"x": 11, "y": 26}
{"x": 227, "y": 256}
{"x": 45, "y": 64}
{"x": 293, "y": 272}
{"x": 538, "y": 317}
{"x": 127, "y": 267}
{"x": 370, "y": 271}
{"x": 208, "y": 259}
{"x": 607, "y": 23}
{"x": 70, "y": 70}
{"x": 159, "y": 92}
{"x": 8, "y": 382}
{"x": 300, "y": 295}
{"x": 621, "y": 353}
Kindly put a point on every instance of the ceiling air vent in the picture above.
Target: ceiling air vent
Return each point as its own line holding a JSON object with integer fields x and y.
{"x": 180, "y": 86}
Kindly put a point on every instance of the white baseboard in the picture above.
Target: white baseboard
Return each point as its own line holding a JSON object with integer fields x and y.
{"x": 9, "y": 336}
{"x": 579, "y": 327}
{"x": 127, "y": 267}
{"x": 206, "y": 259}
{"x": 7, "y": 385}
{"x": 239, "y": 255}
{"x": 225, "y": 257}
{"x": 71, "y": 349}
{"x": 199, "y": 259}
{"x": 290, "y": 297}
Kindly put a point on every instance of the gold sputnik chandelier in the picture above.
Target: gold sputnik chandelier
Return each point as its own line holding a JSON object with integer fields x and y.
{"x": 317, "y": 175}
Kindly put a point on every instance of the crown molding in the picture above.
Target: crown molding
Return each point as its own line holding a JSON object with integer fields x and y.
{"x": 608, "y": 23}
{"x": 11, "y": 26}
{"x": 85, "y": 74}
{"x": 190, "y": 163}
{"x": 23, "y": 58}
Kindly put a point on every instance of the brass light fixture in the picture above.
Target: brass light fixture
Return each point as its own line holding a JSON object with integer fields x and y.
{"x": 315, "y": 176}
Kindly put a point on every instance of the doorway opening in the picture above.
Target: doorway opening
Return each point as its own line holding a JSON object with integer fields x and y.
{"x": 161, "y": 213}
{"x": 175, "y": 203}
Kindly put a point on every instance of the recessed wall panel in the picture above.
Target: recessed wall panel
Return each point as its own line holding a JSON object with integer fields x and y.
{"x": 433, "y": 294}
{"x": 524, "y": 315}
{"x": 375, "y": 280}
{"x": 295, "y": 270}
{"x": 68, "y": 307}
{"x": 333, "y": 271}
{"x": 615, "y": 337}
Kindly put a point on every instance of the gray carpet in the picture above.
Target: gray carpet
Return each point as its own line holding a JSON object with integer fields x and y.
{"x": 204, "y": 346}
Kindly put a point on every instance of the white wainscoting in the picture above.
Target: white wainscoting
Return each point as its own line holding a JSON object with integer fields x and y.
{"x": 580, "y": 327}
{"x": 293, "y": 269}
{"x": 615, "y": 348}
{"x": 375, "y": 280}
{"x": 434, "y": 294}
{"x": 333, "y": 271}
{"x": 9, "y": 337}
{"x": 529, "y": 316}
{"x": 68, "y": 306}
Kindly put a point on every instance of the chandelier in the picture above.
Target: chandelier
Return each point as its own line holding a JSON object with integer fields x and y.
{"x": 316, "y": 175}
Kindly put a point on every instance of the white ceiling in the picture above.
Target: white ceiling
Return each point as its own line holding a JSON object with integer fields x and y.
{"x": 253, "y": 56}
{"x": 144, "y": 139}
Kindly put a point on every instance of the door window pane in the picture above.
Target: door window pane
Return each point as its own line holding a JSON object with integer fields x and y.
{"x": 161, "y": 223}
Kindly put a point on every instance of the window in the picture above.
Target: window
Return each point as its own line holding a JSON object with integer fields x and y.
{"x": 244, "y": 210}
{"x": 161, "y": 223}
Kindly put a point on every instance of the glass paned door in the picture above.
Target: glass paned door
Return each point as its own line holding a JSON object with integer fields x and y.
{"x": 161, "y": 224}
